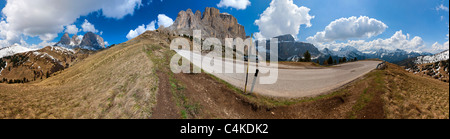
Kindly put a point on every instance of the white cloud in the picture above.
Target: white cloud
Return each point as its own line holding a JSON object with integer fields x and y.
{"x": 43, "y": 17}
{"x": 352, "y": 27}
{"x": 141, "y": 29}
{"x": 436, "y": 47}
{"x": 48, "y": 36}
{"x": 7, "y": 36}
{"x": 442, "y": 7}
{"x": 164, "y": 20}
{"x": 397, "y": 41}
{"x": 119, "y": 8}
{"x": 88, "y": 27}
{"x": 72, "y": 29}
{"x": 282, "y": 17}
{"x": 238, "y": 4}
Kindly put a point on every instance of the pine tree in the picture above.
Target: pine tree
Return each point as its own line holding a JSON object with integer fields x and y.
{"x": 330, "y": 60}
{"x": 307, "y": 56}
{"x": 344, "y": 60}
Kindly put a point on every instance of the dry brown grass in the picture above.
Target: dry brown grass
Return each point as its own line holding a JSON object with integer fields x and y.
{"x": 413, "y": 97}
{"x": 115, "y": 83}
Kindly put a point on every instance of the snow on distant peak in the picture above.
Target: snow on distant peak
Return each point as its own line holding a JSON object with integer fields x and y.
{"x": 433, "y": 59}
{"x": 61, "y": 49}
{"x": 14, "y": 49}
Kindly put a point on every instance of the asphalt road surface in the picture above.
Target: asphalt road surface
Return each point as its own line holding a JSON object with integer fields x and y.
{"x": 296, "y": 82}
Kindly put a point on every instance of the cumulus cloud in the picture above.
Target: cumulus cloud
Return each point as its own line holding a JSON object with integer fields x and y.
{"x": 119, "y": 8}
{"x": 46, "y": 18}
{"x": 72, "y": 29}
{"x": 238, "y": 4}
{"x": 88, "y": 27}
{"x": 141, "y": 29}
{"x": 164, "y": 20}
{"x": 7, "y": 36}
{"x": 397, "y": 41}
{"x": 437, "y": 47}
{"x": 352, "y": 27}
{"x": 282, "y": 17}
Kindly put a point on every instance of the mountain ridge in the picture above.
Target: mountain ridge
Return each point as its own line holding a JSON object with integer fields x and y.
{"x": 90, "y": 41}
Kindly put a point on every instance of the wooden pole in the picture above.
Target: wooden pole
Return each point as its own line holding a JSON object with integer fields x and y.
{"x": 248, "y": 63}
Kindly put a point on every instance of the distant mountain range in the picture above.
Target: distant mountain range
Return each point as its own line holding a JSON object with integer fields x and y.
{"x": 89, "y": 41}
{"x": 289, "y": 50}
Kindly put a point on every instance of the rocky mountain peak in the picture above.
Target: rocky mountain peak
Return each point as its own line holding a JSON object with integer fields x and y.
{"x": 65, "y": 39}
{"x": 212, "y": 24}
{"x": 287, "y": 37}
{"x": 75, "y": 40}
{"x": 92, "y": 41}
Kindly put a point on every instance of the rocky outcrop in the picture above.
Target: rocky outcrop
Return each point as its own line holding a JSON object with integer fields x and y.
{"x": 90, "y": 41}
{"x": 65, "y": 40}
{"x": 75, "y": 40}
{"x": 212, "y": 24}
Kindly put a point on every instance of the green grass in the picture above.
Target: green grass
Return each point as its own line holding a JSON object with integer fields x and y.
{"x": 369, "y": 93}
{"x": 187, "y": 107}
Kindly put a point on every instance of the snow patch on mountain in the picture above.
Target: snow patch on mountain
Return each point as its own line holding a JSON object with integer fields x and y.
{"x": 62, "y": 49}
{"x": 434, "y": 58}
{"x": 2, "y": 68}
{"x": 14, "y": 49}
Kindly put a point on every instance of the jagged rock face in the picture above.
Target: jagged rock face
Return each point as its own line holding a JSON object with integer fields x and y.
{"x": 92, "y": 41}
{"x": 75, "y": 40}
{"x": 65, "y": 40}
{"x": 212, "y": 24}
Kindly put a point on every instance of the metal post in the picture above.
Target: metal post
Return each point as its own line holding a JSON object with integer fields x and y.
{"x": 254, "y": 80}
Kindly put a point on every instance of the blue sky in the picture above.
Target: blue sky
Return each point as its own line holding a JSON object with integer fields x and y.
{"x": 421, "y": 18}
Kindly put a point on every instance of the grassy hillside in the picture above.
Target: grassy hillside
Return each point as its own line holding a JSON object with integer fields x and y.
{"x": 413, "y": 96}
{"x": 115, "y": 83}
